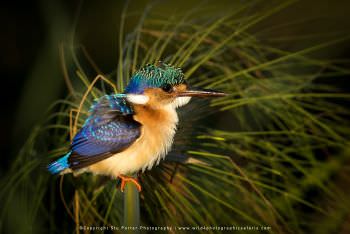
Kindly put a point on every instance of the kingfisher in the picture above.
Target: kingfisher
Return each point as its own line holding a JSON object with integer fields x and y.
{"x": 130, "y": 132}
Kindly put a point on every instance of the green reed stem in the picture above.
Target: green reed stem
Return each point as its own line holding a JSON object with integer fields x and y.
{"x": 131, "y": 208}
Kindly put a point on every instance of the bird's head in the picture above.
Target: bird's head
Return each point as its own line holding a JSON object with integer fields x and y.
{"x": 162, "y": 84}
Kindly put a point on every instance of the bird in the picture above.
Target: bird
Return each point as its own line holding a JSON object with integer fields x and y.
{"x": 130, "y": 132}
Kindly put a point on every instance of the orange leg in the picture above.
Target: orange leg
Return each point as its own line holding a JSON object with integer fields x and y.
{"x": 127, "y": 179}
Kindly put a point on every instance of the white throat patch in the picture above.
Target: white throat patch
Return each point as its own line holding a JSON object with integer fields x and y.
{"x": 181, "y": 101}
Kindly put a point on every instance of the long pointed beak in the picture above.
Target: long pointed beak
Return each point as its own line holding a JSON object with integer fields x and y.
{"x": 194, "y": 92}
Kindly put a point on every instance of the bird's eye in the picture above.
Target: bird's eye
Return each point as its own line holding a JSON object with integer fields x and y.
{"x": 167, "y": 88}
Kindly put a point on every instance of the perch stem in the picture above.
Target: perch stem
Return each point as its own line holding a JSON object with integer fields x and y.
{"x": 131, "y": 208}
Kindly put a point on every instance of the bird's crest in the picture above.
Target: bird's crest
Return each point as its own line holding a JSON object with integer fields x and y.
{"x": 155, "y": 76}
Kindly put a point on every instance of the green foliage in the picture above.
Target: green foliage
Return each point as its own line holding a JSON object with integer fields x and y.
{"x": 272, "y": 153}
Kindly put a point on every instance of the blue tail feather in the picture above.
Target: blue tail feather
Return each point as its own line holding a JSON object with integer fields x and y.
{"x": 59, "y": 165}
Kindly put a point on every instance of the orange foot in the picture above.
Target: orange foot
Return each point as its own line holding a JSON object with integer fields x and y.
{"x": 127, "y": 179}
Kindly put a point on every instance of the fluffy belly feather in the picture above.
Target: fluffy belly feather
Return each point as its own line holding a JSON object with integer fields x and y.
{"x": 158, "y": 130}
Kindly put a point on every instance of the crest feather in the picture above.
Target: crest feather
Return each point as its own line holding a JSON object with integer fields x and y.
{"x": 155, "y": 76}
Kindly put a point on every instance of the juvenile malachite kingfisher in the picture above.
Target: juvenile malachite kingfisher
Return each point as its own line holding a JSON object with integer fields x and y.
{"x": 130, "y": 132}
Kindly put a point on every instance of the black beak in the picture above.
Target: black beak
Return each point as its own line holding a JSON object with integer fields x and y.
{"x": 194, "y": 92}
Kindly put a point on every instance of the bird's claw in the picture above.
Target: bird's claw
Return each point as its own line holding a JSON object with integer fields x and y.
{"x": 125, "y": 179}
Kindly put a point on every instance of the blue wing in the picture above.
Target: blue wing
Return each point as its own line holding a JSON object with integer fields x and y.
{"x": 109, "y": 129}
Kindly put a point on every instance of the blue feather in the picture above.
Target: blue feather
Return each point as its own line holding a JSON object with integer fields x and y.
{"x": 59, "y": 165}
{"x": 109, "y": 129}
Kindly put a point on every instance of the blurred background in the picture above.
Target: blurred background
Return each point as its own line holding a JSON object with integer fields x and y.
{"x": 33, "y": 33}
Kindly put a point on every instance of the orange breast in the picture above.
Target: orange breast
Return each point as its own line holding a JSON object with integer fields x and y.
{"x": 158, "y": 130}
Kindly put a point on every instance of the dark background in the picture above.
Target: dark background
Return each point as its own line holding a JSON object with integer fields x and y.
{"x": 31, "y": 74}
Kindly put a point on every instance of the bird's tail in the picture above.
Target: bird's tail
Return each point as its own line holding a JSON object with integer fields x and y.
{"x": 60, "y": 165}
